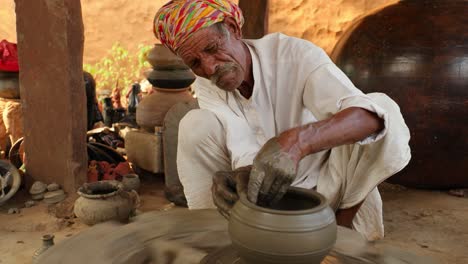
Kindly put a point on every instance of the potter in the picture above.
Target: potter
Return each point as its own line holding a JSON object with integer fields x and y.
{"x": 277, "y": 112}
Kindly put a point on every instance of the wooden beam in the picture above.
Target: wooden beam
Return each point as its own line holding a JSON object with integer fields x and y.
{"x": 50, "y": 49}
{"x": 256, "y": 18}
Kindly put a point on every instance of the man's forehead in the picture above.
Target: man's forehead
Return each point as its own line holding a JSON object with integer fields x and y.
{"x": 198, "y": 41}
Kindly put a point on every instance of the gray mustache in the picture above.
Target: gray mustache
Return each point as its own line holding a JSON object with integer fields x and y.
{"x": 221, "y": 70}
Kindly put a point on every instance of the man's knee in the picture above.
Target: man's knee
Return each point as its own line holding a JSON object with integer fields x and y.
{"x": 198, "y": 125}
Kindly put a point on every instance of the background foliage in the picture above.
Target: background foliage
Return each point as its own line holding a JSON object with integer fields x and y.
{"x": 119, "y": 69}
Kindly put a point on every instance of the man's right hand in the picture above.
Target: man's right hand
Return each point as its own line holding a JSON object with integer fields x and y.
{"x": 227, "y": 185}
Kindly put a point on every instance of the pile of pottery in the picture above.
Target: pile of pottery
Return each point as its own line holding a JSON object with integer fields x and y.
{"x": 51, "y": 193}
{"x": 171, "y": 80}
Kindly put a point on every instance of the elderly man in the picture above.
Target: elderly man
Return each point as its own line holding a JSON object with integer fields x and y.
{"x": 277, "y": 112}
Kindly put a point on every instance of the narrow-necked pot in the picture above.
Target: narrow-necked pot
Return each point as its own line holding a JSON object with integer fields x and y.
{"x": 300, "y": 229}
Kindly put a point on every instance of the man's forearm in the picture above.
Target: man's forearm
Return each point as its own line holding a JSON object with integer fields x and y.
{"x": 345, "y": 127}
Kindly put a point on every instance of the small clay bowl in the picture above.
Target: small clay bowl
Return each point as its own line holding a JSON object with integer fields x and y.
{"x": 300, "y": 228}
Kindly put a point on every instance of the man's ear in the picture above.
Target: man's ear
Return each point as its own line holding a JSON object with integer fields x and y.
{"x": 233, "y": 27}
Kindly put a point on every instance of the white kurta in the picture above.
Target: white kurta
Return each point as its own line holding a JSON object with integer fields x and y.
{"x": 295, "y": 83}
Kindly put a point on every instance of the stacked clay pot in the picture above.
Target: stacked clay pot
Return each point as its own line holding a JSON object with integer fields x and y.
{"x": 171, "y": 80}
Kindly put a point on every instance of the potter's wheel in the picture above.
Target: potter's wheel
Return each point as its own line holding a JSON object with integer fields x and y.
{"x": 224, "y": 255}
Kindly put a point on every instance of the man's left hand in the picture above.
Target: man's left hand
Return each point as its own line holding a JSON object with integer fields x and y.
{"x": 227, "y": 185}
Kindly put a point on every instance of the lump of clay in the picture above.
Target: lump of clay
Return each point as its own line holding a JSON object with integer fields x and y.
{"x": 53, "y": 187}
{"x": 37, "y": 188}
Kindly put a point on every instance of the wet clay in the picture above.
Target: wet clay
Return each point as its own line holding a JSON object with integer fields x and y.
{"x": 273, "y": 171}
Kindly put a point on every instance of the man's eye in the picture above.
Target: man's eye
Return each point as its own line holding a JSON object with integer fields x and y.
{"x": 212, "y": 48}
{"x": 194, "y": 64}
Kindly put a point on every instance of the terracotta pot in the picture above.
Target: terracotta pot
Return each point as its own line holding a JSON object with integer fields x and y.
{"x": 131, "y": 182}
{"x": 171, "y": 79}
{"x": 103, "y": 201}
{"x": 9, "y": 85}
{"x": 301, "y": 228}
{"x": 153, "y": 108}
{"x": 162, "y": 58}
{"x": 416, "y": 52}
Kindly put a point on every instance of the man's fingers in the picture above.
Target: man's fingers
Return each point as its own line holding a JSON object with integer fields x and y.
{"x": 223, "y": 206}
{"x": 266, "y": 196}
{"x": 221, "y": 188}
{"x": 281, "y": 192}
{"x": 255, "y": 182}
{"x": 242, "y": 180}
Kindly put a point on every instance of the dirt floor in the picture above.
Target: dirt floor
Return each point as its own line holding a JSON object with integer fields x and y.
{"x": 427, "y": 223}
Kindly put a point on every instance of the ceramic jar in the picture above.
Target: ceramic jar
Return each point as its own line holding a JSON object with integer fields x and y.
{"x": 301, "y": 228}
{"x": 9, "y": 85}
{"x": 153, "y": 108}
{"x": 131, "y": 182}
{"x": 416, "y": 52}
{"x": 171, "y": 79}
{"x": 161, "y": 58}
{"x": 103, "y": 201}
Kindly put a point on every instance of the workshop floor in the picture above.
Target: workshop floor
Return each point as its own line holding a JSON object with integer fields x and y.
{"x": 424, "y": 222}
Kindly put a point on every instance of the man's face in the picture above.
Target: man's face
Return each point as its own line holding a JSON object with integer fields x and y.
{"x": 214, "y": 56}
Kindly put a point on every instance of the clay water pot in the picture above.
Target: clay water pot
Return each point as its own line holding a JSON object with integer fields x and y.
{"x": 153, "y": 108}
{"x": 162, "y": 58}
{"x": 103, "y": 201}
{"x": 301, "y": 228}
{"x": 9, "y": 85}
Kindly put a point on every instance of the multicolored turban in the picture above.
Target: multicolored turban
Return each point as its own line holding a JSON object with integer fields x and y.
{"x": 177, "y": 20}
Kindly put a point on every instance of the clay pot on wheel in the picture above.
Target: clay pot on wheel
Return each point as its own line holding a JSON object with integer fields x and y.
{"x": 103, "y": 201}
{"x": 301, "y": 228}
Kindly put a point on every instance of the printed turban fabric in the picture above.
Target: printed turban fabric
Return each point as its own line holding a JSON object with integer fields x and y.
{"x": 177, "y": 20}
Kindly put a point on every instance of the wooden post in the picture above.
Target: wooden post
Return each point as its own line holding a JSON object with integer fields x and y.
{"x": 256, "y": 18}
{"x": 50, "y": 49}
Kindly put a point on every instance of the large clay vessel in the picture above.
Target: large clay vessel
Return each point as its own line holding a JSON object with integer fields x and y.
{"x": 301, "y": 228}
{"x": 153, "y": 108}
{"x": 103, "y": 201}
{"x": 417, "y": 53}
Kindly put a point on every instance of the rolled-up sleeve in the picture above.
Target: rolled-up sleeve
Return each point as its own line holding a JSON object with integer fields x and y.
{"x": 328, "y": 90}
